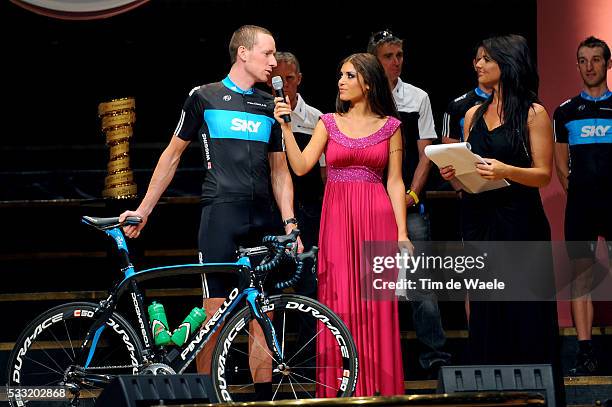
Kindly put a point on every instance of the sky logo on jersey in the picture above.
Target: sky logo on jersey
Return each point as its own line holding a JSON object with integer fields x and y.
{"x": 589, "y": 131}
{"x": 245, "y": 125}
{"x": 594, "y": 131}
{"x": 231, "y": 124}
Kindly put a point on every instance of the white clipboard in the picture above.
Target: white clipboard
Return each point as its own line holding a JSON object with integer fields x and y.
{"x": 463, "y": 160}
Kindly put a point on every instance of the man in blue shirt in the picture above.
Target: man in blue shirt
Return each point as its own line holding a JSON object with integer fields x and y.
{"x": 583, "y": 155}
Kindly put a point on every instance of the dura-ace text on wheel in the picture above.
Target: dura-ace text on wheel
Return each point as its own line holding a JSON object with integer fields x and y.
{"x": 299, "y": 322}
{"x": 47, "y": 350}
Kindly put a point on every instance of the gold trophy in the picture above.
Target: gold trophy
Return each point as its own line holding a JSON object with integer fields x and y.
{"x": 118, "y": 116}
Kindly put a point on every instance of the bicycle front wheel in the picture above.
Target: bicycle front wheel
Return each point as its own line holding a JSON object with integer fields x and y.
{"x": 241, "y": 357}
{"x": 48, "y": 350}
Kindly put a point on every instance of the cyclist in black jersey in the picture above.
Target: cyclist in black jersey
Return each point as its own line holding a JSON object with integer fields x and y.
{"x": 454, "y": 116}
{"x": 583, "y": 152}
{"x": 243, "y": 153}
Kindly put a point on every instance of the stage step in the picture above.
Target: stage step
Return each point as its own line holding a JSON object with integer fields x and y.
{"x": 580, "y": 391}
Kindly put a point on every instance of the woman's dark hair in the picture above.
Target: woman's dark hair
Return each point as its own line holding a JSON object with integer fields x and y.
{"x": 518, "y": 84}
{"x": 379, "y": 95}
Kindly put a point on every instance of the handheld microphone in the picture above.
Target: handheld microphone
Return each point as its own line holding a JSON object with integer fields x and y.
{"x": 277, "y": 84}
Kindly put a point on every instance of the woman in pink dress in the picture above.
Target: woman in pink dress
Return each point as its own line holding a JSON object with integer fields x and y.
{"x": 361, "y": 141}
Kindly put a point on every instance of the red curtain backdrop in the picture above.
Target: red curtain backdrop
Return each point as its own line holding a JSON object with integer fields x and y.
{"x": 562, "y": 25}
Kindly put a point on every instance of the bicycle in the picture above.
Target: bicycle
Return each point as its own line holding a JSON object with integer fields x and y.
{"x": 82, "y": 346}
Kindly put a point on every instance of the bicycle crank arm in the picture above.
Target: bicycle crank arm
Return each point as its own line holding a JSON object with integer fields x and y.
{"x": 92, "y": 378}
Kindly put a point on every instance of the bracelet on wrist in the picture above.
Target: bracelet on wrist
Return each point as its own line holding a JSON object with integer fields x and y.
{"x": 414, "y": 196}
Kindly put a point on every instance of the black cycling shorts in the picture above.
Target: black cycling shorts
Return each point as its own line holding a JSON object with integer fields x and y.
{"x": 224, "y": 227}
{"x": 587, "y": 216}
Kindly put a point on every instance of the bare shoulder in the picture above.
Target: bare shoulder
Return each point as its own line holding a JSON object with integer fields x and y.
{"x": 537, "y": 112}
{"x": 320, "y": 126}
{"x": 537, "y": 109}
{"x": 470, "y": 113}
{"x": 320, "y": 130}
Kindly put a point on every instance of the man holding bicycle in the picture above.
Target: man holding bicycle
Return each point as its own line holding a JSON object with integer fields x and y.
{"x": 243, "y": 152}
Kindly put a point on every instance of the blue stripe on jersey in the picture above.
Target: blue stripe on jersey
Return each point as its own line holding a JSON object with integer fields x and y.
{"x": 238, "y": 125}
{"x": 589, "y": 131}
{"x": 462, "y": 123}
{"x": 482, "y": 93}
{"x": 228, "y": 83}
{"x": 586, "y": 96}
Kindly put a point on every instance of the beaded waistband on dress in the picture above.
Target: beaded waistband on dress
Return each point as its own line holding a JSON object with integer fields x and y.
{"x": 353, "y": 174}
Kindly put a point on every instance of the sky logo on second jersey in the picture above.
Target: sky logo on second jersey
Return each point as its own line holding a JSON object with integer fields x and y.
{"x": 594, "y": 131}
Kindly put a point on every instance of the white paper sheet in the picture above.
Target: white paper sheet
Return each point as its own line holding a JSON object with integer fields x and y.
{"x": 464, "y": 161}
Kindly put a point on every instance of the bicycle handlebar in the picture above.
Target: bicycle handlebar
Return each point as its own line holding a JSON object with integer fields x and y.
{"x": 299, "y": 264}
{"x": 281, "y": 247}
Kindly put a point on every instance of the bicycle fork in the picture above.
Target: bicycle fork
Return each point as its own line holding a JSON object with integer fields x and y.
{"x": 253, "y": 299}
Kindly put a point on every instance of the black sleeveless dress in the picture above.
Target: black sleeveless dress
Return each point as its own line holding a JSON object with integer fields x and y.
{"x": 510, "y": 332}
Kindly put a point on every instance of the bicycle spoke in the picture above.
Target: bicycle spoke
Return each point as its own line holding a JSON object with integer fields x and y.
{"x": 306, "y": 361}
{"x": 317, "y": 367}
{"x": 258, "y": 344}
{"x": 45, "y": 366}
{"x": 305, "y": 391}
{"x": 283, "y": 345}
{"x": 278, "y": 387}
{"x": 69, "y": 339}
{"x": 292, "y": 389}
{"x": 43, "y": 384}
{"x": 306, "y": 344}
{"x": 246, "y": 354}
{"x": 52, "y": 360}
{"x": 245, "y": 386}
{"x": 59, "y": 343}
{"x": 315, "y": 382}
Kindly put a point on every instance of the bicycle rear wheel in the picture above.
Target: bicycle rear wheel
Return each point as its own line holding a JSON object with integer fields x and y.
{"x": 47, "y": 352}
{"x": 299, "y": 321}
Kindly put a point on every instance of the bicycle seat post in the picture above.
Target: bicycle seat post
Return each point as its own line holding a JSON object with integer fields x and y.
{"x": 124, "y": 258}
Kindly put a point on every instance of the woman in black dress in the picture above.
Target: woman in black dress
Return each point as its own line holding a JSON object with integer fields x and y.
{"x": 513, "y": 133}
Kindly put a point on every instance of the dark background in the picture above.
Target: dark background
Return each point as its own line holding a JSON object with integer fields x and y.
{"x": 55, "y": 72}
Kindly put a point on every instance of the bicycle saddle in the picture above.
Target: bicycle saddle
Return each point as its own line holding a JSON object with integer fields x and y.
{"x": 108, "y": 223}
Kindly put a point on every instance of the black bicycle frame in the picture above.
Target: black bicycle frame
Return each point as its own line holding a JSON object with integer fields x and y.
{"x": 178, "y": 358}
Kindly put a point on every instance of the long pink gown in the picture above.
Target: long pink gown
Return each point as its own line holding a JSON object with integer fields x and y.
{"x": 356, "y": 209}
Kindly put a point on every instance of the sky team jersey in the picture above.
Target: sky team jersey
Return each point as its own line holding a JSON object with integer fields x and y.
{"x": 236, "y": 130}
{"x": 585, "y": 123}
{"x": 454, "y": 117}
